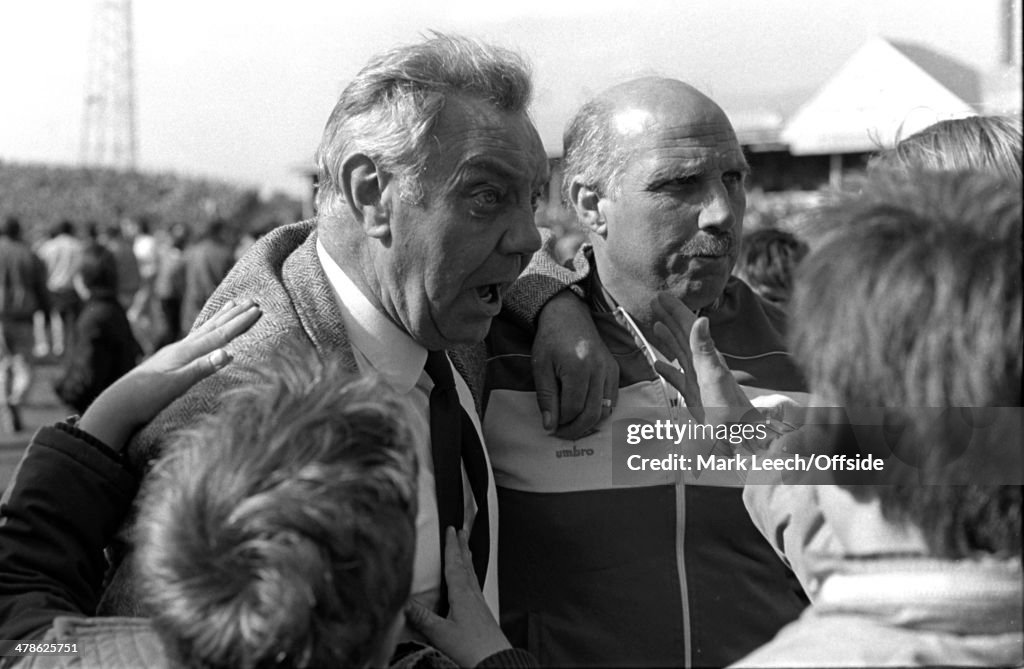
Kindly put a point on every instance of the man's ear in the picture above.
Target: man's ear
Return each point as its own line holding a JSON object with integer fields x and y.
{"x": 364, "y": 185}
{"x": 586, "y": 201}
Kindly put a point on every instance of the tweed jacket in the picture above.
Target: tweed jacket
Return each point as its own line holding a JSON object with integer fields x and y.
{"x": 283, "y": 274}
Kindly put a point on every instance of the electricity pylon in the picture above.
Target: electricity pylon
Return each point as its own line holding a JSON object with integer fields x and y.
{"x": 108, "y": 126}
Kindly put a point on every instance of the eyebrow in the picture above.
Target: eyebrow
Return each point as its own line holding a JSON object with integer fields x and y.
{"x": 488, "y": 163}
{"x": 676, "y": 172}
{"x": 689, "y": 169}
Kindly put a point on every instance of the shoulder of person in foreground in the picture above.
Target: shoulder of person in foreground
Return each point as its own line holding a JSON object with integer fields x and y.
{"x": 72, "y": 492}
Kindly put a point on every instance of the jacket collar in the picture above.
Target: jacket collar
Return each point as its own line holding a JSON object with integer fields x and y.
{"x": 971, "y": 596}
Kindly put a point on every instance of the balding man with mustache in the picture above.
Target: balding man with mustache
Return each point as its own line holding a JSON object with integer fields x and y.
{"x": 656, "y": 573}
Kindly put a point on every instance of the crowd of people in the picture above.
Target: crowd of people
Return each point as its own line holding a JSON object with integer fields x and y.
{"x": 389, "y": 438}
{"x": 151, "y": 285}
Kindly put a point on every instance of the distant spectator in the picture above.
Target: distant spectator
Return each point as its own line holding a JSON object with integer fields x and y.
{"x": 170, "y": 283}
{"x": 61, "y": 255}
{"x": 766, "y": 262}
{"x": 143, "y": 245}
{"x": 246, "y": 240}
{"x": 22, "y": 293}
{"x": 103, "y": 348}
{"x": 128, "y": 280}
{"x": 206, "y": 263}
{"x": 976, "y": 143}
{"x": 91, "y": 232}
{"x": 142, "y": 313}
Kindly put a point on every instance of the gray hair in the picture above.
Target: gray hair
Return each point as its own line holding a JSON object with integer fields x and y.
{"x": 592, "y": 150}
{"x": 389, "y": 110}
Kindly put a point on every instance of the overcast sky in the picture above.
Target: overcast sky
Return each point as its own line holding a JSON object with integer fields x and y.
{"x": 240, "y": 89}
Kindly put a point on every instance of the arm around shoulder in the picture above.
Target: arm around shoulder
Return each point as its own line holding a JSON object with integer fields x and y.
{"x": 543, "y": 278}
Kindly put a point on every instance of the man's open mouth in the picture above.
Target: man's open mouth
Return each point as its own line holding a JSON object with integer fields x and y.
{"x": 490, "y": 293}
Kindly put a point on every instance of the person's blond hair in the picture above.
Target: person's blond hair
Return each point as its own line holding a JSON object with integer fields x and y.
{"x": 977, "y": 143}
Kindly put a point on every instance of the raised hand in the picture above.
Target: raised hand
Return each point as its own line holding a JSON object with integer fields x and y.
{"x": 702, "y": 377}
{"x": 138, "y": 396}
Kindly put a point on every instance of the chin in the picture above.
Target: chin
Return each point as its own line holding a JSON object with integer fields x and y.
{"x": 466, "y": 335}
{"x": 703, "y": 294}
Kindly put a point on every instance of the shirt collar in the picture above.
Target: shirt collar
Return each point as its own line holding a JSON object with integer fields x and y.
{"x": 377, "y": 341}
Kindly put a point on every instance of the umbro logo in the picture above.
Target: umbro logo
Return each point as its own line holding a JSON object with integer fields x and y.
{"x": 574, "y": 452}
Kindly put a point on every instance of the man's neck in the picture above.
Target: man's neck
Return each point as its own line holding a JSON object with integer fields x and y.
{"x": 621, "y": 290}
{"x": 634, "y": 296}
{"x": 862, "y": 529}
{"x": 348, "y": 250}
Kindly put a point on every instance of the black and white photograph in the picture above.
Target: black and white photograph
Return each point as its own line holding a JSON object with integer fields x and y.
{"x": 537, "y": 334}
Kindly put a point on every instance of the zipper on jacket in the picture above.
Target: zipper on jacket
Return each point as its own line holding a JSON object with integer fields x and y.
{"x": 673, "y": 403}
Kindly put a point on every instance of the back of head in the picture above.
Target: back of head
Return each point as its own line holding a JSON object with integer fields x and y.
{"x": 767, "y": 260}
{"x": 979, "y": 143}
{"x": 214, "y": 228}
{"x": 390, "y": 108}
{"x": 98, "y": 268}
{"x": 112, "y": 232}
{"x": 912, "y": 294}
{"x": 64, "y": 227}
{"x": 179, "y": 235}
{"x": 280, "y": 531}
{"x": 912, "y": 298}
{"x": 11, "y": 228}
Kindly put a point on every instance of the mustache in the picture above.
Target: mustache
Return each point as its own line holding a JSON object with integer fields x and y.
{"x": 705, "y": 244}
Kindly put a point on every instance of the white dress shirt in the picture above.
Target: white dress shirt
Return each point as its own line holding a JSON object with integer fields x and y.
{"x": 381, "y": 346}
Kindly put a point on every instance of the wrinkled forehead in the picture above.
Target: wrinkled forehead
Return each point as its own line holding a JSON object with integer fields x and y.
{"x": 474, "y": 134}
{"x": 712, "y": 140}
{"x": 703, "y": 133}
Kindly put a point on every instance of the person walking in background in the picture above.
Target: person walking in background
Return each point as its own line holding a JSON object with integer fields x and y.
{"x": 206, "y": 263}
{"x": 142, "y": 313}
{"x": 169, "y": 286}
{"x": 22, "y": 293}
{"x": 103, "y": 348}
{"x": 124, "y": 259}
{"x": 61, "y": 255}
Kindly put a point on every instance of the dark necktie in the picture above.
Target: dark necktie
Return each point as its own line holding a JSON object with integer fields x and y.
{"x": 454, "y": 442}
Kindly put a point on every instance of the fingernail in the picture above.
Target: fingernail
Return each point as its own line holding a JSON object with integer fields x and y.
{"x": 546, "y": 419}
{"x": 228, "y": 305}
{"x": 219, "y": 358}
